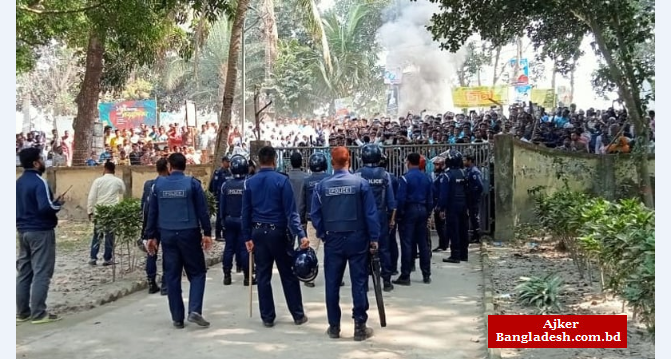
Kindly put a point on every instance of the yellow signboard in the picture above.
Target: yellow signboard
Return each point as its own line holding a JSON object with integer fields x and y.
{"x": 480, "y": 96}
{"x": 543, "y": 97}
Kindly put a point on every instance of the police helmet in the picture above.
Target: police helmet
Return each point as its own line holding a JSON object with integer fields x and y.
{"x": 371, "y": 154}
{"x": 239, "y": 166}
{"x": 454, "y": 159}
{"x": 317, "y": 162}
{"x": 306, "y": 265}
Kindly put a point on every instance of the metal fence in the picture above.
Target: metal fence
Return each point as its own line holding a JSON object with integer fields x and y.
{"x": 396, "y": 156}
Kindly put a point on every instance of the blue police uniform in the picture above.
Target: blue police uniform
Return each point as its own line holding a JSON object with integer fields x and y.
{"x": 415, "y": 203}
{"x": 229, "y": 222}
{"x": 177, "y": 213}
{"x": 475, "y": 188}
{"x": 344, "y": 215}
{"x": 268, "y": 215}
{"x": 150, "y": 266}
{"x": 453, "y": 202}
{"x": 443, "y": 242}
{"x": 393, "y": 242}
{"x": 220, "y": 176}
{"x": 309, "y": 190}
{"x": 381, "y": 186}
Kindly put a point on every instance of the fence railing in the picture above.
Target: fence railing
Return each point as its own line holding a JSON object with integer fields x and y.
{"x": 396, "y": 155}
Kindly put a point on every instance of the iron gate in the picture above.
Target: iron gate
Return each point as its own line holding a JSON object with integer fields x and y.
{"x": 396, "y": 157}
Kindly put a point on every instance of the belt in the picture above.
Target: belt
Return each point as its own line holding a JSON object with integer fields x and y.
{"x": 415, "y": 204}
{"x": 339, "y": 232}
{"x": 270, "y": 226}
{"x": 236, "y": 217}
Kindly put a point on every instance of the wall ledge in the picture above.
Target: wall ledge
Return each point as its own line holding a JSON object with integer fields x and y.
{"x": 554, "y": 152}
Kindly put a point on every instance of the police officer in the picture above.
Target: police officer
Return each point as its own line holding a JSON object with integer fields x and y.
{"x": 220, "y": 175}
{"x": 475, "y": 188}
{"x": 414, "y": 205}
{"x": 150, "y": 268}
{"x": 344, "y": 214}
{"x": 438, "y": 170}
{"x": 452, "y": 205}
{"x": 318, "y": 166}
{"x": 228, "y": 219}
{"x": 297, "y": 180}
{"x": 268, "y": 215}
{"x": 393, "y": 242}
{"x": 178, "y": 211}
{"x": 380, "y": 184}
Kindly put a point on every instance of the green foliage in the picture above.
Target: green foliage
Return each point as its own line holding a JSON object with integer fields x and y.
{"x": 211, "y": 203}
{"x": 123, "y": 219}
{"x": 293, "y": 77}
{"x": 542, "y": 293}
{"x": 619, "y": 237}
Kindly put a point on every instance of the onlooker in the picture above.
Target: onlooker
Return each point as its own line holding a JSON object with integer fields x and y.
{"x": 35, "y": 221}
{"x": 105, "y": 190}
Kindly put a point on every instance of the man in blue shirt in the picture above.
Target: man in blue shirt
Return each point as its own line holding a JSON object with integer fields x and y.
{"x": 345, "y": 216}
{"x": 414, "y": 205}
{"x": 178, "y": 211}
{"x": 35, "y": 221}
{"x": 150, "y": 267}
{"x": 270, "y": 221}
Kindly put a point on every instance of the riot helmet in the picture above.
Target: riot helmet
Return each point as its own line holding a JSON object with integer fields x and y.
{"x": 239, "y": 166}
{"x": 306, "y": 265}
{"x": 454, "y": 159}
{"x": 317, "y": 162}
{"x": 371, "y": 154}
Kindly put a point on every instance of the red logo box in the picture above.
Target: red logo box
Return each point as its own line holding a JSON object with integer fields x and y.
{"x": 557, "y": 331}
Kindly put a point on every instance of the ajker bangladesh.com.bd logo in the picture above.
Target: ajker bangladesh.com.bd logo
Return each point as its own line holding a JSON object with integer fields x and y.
{"x": 557, "y": 331}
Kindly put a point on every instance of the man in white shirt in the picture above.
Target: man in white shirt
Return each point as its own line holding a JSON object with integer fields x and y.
{"x": 106, "y": 190}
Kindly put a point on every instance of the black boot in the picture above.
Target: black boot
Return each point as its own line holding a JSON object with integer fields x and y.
{"x": 246, "y": 281}
{"x": 401, "y": 280}
{"x": 387, "y": 286}
{"x": 153, "y": 287}
{"x": 227, "y": 278}
{"x": 333, "y": 332}
{"x": 361, "y": 332}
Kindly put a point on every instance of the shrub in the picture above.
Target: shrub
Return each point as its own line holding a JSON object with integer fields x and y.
{"x": 211, "y": 203}
{"x": 542, "y": 293}
{"x": 618, "y": 237}
{"x": 124, "y": 219}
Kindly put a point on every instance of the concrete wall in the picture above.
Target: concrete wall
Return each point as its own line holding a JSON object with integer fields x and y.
{"x": 521, "y": 166}
{"x": 81, "y": 178}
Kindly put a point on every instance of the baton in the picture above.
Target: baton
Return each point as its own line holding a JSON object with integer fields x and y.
{"x": 249, "y": 275}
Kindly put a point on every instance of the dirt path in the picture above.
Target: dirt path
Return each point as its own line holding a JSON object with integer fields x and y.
{"x": 440, "y": 320}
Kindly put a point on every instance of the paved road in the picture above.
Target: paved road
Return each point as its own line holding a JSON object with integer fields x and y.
{"x": 441, "y": 320}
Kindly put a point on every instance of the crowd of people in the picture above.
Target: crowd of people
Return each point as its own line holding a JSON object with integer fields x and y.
{"x": 566, "y": 128}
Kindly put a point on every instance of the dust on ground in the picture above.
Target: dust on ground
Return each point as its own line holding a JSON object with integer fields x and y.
{"x": 78, "y": 286}
{"x": 510, "y": 261}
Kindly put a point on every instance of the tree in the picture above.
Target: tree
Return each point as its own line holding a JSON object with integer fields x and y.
{"x": 293, "y": 78}
{"x": 51, "y": 85}
{"x": 118, "y": 36}
{"x": 621, "y": 28}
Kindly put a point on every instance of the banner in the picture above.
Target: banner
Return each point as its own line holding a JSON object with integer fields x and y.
{"x": 128, "y": 114}
{"x": 481, "y": 96}
{"x": 392, "y": 101}
{"x": 521, "y": 78}
{"x": 343, "y": 106}
{"x": 543, "y": 97}
{"x": 393, "y": 76}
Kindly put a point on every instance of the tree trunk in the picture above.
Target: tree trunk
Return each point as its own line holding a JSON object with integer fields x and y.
{"x": 26, "y": 103}
{"x": 496, "y": 65}
{"x": 270, "y": 32}
{"x": 231, "y": 77}
{"x": 635, "y": 112}
{"x": 572, "y": 83}
{"x": 553, "y": 82}
{"x": 87, "y": 100}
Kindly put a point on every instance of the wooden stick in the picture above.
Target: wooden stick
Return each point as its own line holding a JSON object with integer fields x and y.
{"x": 249, "y": 275}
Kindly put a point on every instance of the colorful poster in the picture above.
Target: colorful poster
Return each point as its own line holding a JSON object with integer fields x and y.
{"x": 543, "y": 97}
{"x": 521, "y": 78}
{"x": 128, "y": 114}
{"x": 481, "y": 96}
{"x": 393, "y": 76}
{"x": 343, "y": 106}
